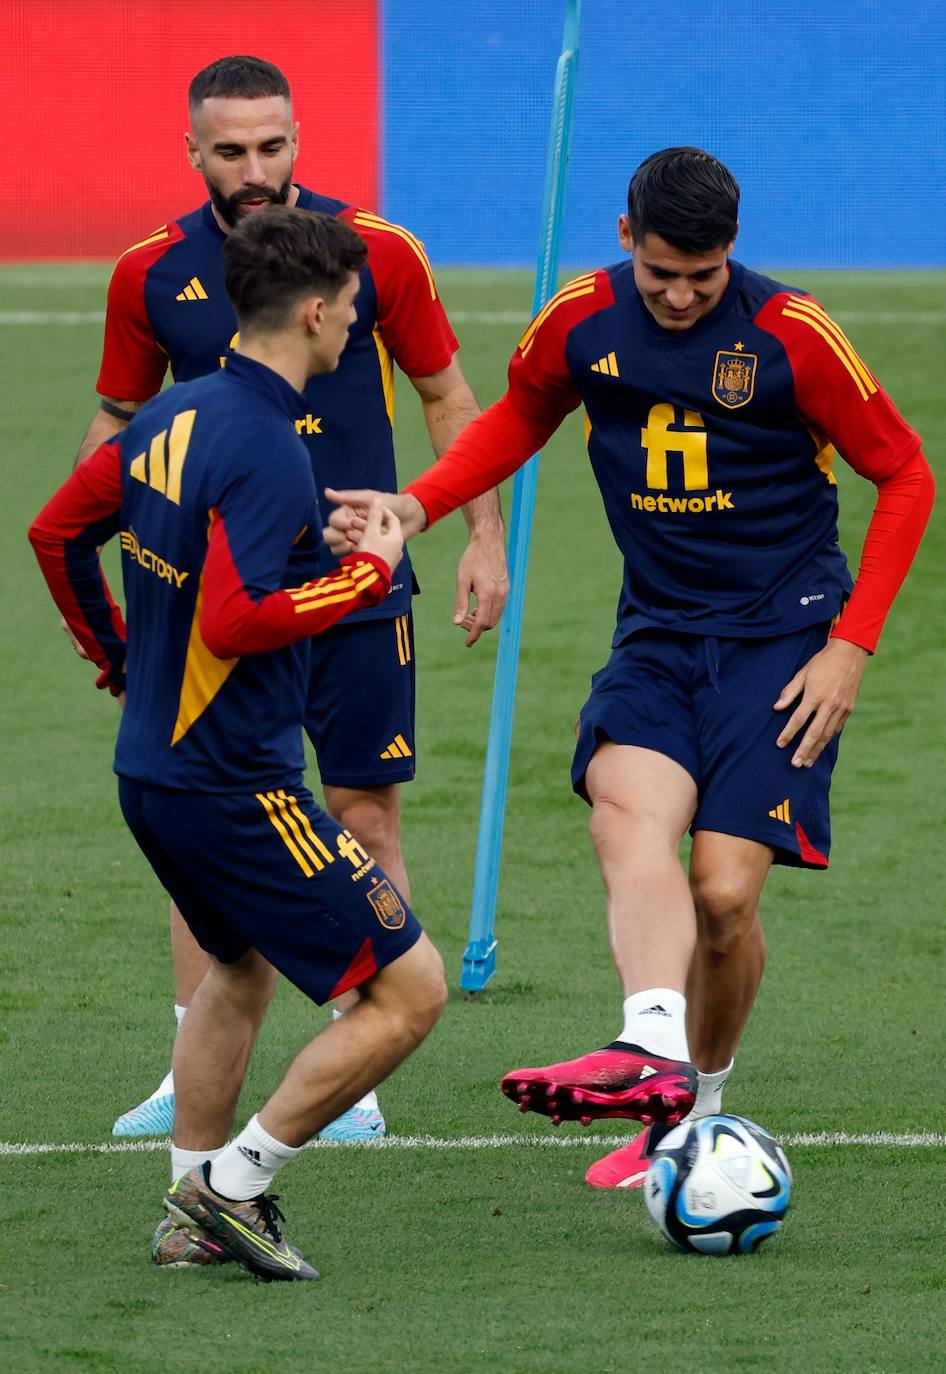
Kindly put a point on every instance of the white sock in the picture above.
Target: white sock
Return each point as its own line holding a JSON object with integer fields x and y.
{"x": 165, "y": 1087}
{"x": 709, "y": 1093}
{"x": 246, "y": 1167}
{"x": 184, "y": 1160}
{"x": 657, "y": 1021}
{"x": 179, "y": 1013}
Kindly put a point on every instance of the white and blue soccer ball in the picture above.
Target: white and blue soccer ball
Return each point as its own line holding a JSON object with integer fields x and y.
{"x": 718, "y": 1186}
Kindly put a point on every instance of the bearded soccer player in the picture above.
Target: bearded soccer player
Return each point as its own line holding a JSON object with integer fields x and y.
{"x": 212, "y": 491}
{"x": 717, "y": 400}
{"x": 167, "y": 307}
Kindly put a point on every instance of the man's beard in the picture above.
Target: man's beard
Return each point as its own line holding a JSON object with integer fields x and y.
{"x": 228, "y": 207}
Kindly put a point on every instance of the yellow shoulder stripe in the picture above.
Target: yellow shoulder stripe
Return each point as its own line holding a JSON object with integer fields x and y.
{"x": 369, "y": 221}
{"x": 154, "y": 237}
{"x": 818, "y": 319}
{"x": 581, "y": 286}
{"x": 818, "y": 312}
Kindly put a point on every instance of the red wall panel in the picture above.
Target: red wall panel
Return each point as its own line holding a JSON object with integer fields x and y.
{"x": 95, "y": 109}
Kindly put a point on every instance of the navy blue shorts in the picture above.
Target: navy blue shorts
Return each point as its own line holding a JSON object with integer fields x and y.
{"x": 272, "y": 872}
{"x": 707, "y": 704}
{"x": 360, "y": 708}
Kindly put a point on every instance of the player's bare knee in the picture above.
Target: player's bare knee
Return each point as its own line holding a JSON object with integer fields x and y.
{"x": 248, "y": 983}
{"x": 429, "y": 990}
{"x": 619, "y": 831}
{"x": 727, "y": 912}
{"x": 374, "y": 820}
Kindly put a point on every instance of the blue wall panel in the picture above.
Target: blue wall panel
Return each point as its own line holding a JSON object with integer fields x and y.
{"x": 833, "y": 121}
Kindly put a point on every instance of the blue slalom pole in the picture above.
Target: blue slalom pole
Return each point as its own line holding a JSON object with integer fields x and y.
{"x": 479, "y": 959}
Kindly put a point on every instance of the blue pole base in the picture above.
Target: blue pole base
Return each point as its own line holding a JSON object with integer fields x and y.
{"x": 479, "y": 964}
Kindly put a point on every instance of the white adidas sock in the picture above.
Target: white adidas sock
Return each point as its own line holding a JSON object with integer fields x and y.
{"x": 246, "y": 1167}
{"x": 182, "y": 1161}
{"x": 709, "y": 1093}
{"x": 657, "y": 1021}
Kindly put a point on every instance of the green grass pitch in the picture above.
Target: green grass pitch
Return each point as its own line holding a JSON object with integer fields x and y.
{"x": 477, "y": 1259}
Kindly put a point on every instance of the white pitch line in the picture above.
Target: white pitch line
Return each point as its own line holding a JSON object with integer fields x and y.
{"x": 486, "y": 317}
{"x": 809, "y": 1140}
{"x": 51, "y": 316}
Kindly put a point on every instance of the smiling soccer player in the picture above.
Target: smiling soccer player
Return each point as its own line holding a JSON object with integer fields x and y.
{"x": 716, "y": 400}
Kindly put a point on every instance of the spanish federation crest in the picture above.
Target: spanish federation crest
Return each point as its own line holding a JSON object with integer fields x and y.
{"x": 388, "y": 906}
{"x": 734, "y": 378}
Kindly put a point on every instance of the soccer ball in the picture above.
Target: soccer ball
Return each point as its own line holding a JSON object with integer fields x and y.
{"x": 718, "y": 1186}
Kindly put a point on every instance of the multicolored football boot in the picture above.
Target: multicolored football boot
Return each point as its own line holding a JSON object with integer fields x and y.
{"x": 248, "y": 1232}
{"x": 361, "y": 1122}
{"x": 152, "y": 1117}
{"x": 626, "y": 1167}
{"x": 619, "y": 1081}
{"x": 174, "y": 1248}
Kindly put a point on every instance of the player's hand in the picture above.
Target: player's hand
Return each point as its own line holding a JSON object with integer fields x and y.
{"x": 72, "y": 639}
{"x": 382, "y": 535}
{"x": 481, "y": 575}
{"x": 349, "y": 520}
{"x": 827, "y": 685}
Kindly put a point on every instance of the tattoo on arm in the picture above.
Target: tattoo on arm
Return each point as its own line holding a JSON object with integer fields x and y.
{"x": 116, "y": 412}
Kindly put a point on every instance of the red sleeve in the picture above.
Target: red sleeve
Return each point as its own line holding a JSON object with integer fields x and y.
{"x": 904, "y": 502}
{"x": 133, "y": 362}
{"x": 541, "y": 393}
{"x": 411, "y": 319}
{"x": 834, "y": 389}
{"x": 66, "y": 537}
{"x": 233, "y": 624}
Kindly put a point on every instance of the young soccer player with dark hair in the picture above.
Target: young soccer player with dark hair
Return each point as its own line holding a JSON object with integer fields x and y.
{"x": 716, "y": 401}
{"x": 211, "y": 490}
{"x": 167, "y": 307}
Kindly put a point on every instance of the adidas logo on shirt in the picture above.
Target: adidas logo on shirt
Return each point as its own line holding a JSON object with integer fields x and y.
{"x": 608, "y": 366}
{"x": 193, "y": 291}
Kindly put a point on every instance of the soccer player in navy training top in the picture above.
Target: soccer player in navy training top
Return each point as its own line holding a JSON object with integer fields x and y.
{"x": 167, "y": 308}
{"x": 716, "y": 399}
{"x": 211, "y": 490}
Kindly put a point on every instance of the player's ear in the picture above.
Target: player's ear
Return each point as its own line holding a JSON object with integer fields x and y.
{"x": 193, "y": 152}
{"x": 313, "y": 310}
{"x": 294, "y": 140}
{"x": 625, "y": 237}
{"x": 733, "y": 240}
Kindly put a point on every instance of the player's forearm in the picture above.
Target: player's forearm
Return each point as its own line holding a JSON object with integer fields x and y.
{"x": 488, "y": 451}
{"x": 233, "y": 624}
{"x": 446, "y": 419}
{"x": 110, "y": 419}
{"x": 904, "y": 502}
{"x": 66, "y": 537}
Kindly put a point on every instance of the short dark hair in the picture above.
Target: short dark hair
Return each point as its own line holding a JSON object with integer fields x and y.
{"x": 237, "y": 78}
{"x": 687, "y": 197}
{"x": 276, "y": 256}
